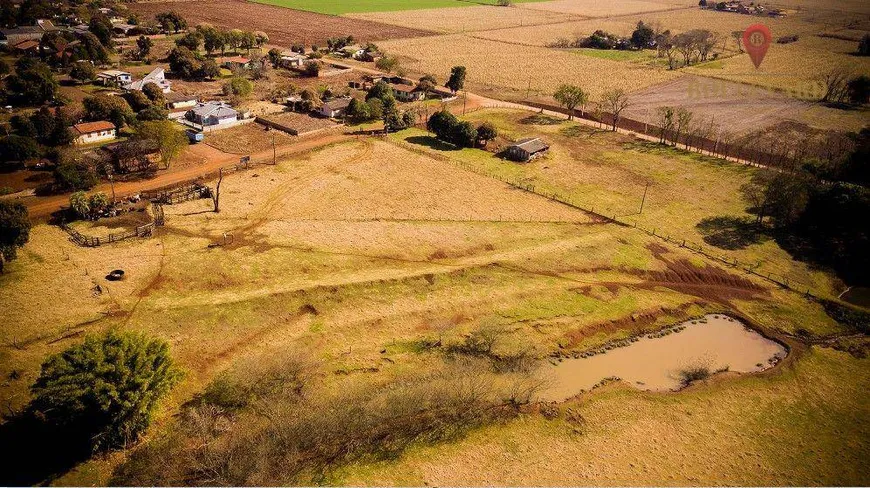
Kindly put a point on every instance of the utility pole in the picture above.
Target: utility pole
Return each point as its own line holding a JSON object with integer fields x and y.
{"x": 112, "y": 184}
{"x": 274, "y": 153}
{"x": 643, "y": 200}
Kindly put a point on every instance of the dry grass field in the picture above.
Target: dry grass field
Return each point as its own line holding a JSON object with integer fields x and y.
{"x": 794, "y": 69}
{"x": 246, "y": 139}
{"x": 357, "y": 252}
{"x": 676, "y": 21}
{"x": 609, "y": 172}
{"x": 284, "y": 26}
{"x": 375, "y": 263}
{"x": 496, "y": 65}
{"x": 780, "y": 429}
{"x": 738, "y": 108}
{"x": 593, "y": 8}
{"x": 466, "y": 19}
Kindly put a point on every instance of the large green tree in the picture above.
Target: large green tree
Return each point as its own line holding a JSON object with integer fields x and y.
{"x": 571, "y": 96}
{"x": 106, "y": 388}
{"x": 457, "y": 79}
{"x": 32, "y": 83}
{"x": 108, "y": 107}
{"x": 14, "y": 229}
{"x": 168, "y": 137}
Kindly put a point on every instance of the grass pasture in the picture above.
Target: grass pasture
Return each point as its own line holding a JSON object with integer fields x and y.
{"x": 340, "y": 7}
{"x": 778, "y": 429}
{"x": 451, "y": 20}
{"x": 361, "y": 253}
{"x": 492, "y": 66}
{"x": 609, "y": 172}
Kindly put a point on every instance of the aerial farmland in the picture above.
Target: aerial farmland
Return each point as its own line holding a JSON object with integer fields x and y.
{"x": 435, "y": 242}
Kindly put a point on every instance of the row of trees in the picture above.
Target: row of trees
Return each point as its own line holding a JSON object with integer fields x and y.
{"x": 214, "y": 39}
{"x": 191, "y": 65}
{"x": 841, "y": 86}
{"x": 613, "y": 102}
{"x": 380, "y": 103}
{"x": 448, "y": 128}
{"x": 689, "y": 47}
{"x": 643, "y": 37}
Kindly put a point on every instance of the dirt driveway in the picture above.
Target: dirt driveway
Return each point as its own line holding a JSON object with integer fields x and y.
{"x": 212, "y": 160}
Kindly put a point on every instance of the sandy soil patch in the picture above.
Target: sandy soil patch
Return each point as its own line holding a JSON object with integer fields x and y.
{"x": 300, "y": 122}
{"x": 246, "y": 139}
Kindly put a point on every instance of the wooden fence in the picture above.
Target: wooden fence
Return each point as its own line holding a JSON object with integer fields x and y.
{"x": 141, "y": 231}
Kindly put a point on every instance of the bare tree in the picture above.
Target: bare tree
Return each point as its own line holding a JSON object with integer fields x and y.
{"x": 615, "y": 101}
{"x": 835, "y": 84}
{"x": 683, "y": 124}
{"x": 705, "y": 41}
{"x": 685, "y": 45}
{"x": 216, "y": 194}
{"x": 665, "y": 122}
{"x": 738, "y": 36}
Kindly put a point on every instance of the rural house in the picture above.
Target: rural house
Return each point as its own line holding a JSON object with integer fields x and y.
{"x": 18, "y": 34}
{"x": 123, "y": 29}
{"x": 15, "y": 35}
{"x": 408, "y": 93}
{"x": 27, "y": 47}
{"x": 335, "y": 108}
{"x": 212, "y": 114}
{"x": 158, "y": 77}
{"x": 526, "y": 149}
{"x": 114, "y": 77}
{"x": 234, "y": 62}
{"x": 93, "y": 132}
{"x": 290, "y": 60}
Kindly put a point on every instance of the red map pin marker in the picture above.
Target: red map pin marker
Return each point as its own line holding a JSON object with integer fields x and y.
{"x": 757, "y": 39}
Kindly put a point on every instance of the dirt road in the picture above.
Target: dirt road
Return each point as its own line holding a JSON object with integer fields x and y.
{"x": 42, "y": 207}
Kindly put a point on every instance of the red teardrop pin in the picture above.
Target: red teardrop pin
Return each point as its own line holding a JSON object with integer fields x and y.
{"x": 757, "y": 39}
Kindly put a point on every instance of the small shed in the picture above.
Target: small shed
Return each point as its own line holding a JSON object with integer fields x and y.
{"x": 175, "y": 101}
{"x": 526, "y": 149}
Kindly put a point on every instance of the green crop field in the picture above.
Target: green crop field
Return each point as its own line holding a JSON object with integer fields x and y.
{"x": 340, "y": 7}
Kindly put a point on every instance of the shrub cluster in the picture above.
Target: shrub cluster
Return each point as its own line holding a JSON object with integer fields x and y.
{"x": 448, "y": 128}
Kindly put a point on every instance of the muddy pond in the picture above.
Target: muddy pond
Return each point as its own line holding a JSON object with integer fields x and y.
{"x": 657, "y": 362}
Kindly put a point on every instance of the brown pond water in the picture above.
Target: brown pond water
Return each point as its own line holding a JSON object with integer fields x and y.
{"x": 715, "y": 342}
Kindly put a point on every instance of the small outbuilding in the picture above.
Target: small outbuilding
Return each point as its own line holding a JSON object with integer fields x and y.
{"x": 175, "y": 101}
{"x": 114, "y": 77}
{"x": 526, "y": 149}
